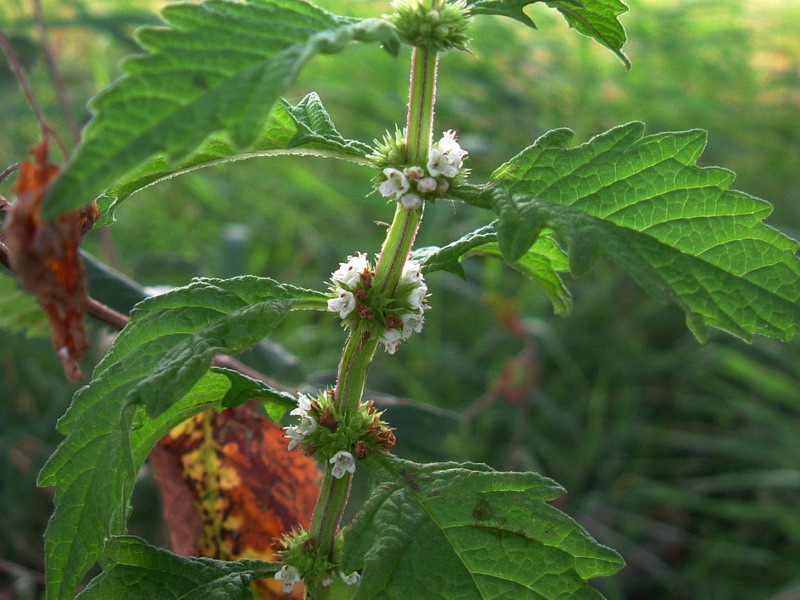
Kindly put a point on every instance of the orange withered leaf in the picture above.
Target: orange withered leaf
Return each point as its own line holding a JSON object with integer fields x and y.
{"x": 229, "y": 487}
{"x": 44, "y": 254}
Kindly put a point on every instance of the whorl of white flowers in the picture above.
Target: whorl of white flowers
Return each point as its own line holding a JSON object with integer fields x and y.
{"x": 411, "y": 185}
{"x": 306, "y": 425}
{"x": 358, "y": 304}
{"x": 412, "y": 319}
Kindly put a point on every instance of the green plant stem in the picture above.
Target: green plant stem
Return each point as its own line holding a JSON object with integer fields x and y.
{"x": 360, "y": 346}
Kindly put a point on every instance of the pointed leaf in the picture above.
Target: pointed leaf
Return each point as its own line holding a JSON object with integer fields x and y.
{"x": 135, "y": 570}
{"x": 220, "y": 66}
{"x": 596, "y": 19}
{"x": 244, "y": 389}
{"x": 492, "y": 534}
{"x": 676, "y": 227}
{"x": 303, "y": 129}
{"x": 542, "y": 261}
{"x": 159, "y": 361}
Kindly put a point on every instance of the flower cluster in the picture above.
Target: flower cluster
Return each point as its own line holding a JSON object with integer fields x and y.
{"x": 411, "y": 287}
{"x": 307, "y": 424}
{"x": 359, "y": 305}
{"x": 439, "y": 29}
{"x": 331, "y": 435}
{"x": 302, "y": 563}
{"x": 411, "y": 185}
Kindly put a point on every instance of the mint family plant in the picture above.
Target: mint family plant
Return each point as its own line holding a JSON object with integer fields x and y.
{"x": 208, "y": 91}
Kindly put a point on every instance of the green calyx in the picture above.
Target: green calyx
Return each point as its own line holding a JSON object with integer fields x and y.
{"x": 359, "y": 431}
{"x": 297, "y": 549}
{"x": 390, "y": 151}
{"x": 439, "y": 29}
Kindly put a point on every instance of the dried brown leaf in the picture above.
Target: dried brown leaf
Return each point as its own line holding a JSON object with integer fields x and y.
{"x": 44, "y": 254}
{"x": 230, "y": 486}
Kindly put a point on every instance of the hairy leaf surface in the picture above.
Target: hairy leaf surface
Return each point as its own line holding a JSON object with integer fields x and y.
{"x": 301, "y": 129}
{"x": 219, "y": 66}
{"x": 542, "y": 261}
{"x": 135, "y": 570}
{"x": 466, "y": 531}
{"x": 594, "y": 18}
{"x": 160, "y": 363}
{"x": 676, "y": 227}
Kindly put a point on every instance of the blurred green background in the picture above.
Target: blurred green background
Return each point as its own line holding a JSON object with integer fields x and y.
{"x": 685, "y": 458}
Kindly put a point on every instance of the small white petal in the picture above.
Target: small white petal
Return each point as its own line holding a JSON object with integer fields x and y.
{"x": 410, "y": 201}
{"x": 342, "y": 462}
{"x": 412, "y": 272}
{"x": 417, "y": 298}
{"x": 349, "y": 273}
{"x": 435, "y": 160}
{"x": 412, "y": 323}
{"x": 414, "y": 173}
{"x": 351, "y": 579}
{"x": 396, "y": 183}
{"x": 290, "y": 576}
{"x": 426, "y": 185}
{"x": 343, "y": 304}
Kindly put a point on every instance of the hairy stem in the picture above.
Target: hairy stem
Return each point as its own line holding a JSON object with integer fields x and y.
{"x": 360, "y": 346}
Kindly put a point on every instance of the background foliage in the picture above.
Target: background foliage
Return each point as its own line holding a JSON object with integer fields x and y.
{"x": 683, "y": 457}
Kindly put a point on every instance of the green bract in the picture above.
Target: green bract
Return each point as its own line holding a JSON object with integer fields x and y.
{"x": 442, "y": 28}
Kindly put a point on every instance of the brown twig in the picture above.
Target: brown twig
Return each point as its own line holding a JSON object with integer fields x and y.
{"x": 5, "y": 204}
{"x": 4, "y": 175}
{"x": 55, "y": 77}
{"x": 19, "y": 73}
{"x": 117, "y": 320}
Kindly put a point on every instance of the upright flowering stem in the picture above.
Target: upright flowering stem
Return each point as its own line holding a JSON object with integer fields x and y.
{"x": 361, "y": 346}
{"x": 422, "y": 97}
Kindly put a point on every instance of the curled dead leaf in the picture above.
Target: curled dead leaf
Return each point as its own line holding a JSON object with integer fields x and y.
{"x": 44, "y": 254}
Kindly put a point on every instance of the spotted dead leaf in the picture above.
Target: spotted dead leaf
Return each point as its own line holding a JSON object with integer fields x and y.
{"x": 44, "y": 254}
{"x": 229, "y": 486}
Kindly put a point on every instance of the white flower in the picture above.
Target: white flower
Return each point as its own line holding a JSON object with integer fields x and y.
{"x": 342, "y": 462}
{"x": 442, "y": 186}
{"x": 414, "y": 173}
{"x": 307, "y": 425}
{"x": 391, "y": 339}
{"x": 446, "y": 157}
{"x": 294, "y": 436}
{"x": 412, "y": 323}
{"x": 449, "y": 145}
{"x": 344, "y": 304}
{"x": 417, "y": 298}
{"x": 426, "y": 185}
{"x": 349, "y": 273}
{"x": 303, "y": 405}
{"x": 410, "y": 201}
{"x": 351, "y": 579}
{"x": 412, "y": 272}
{"x": 396, "y": 183}
{"x": 289, "y": 575}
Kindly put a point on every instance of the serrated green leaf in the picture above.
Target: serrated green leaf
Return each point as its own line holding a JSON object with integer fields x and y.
{"x": 301, "y": 129}
{"x": 220, "y": 66}
{"x": 542, "y": 261}
{"x": 244, "y": 389}
{"x": 676, "y": 227}
{"x": 135, "y": 570}
{"x": 596, "y": 19}
{"x": 492, "y": 534}
{"x": 159, "y": 362}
